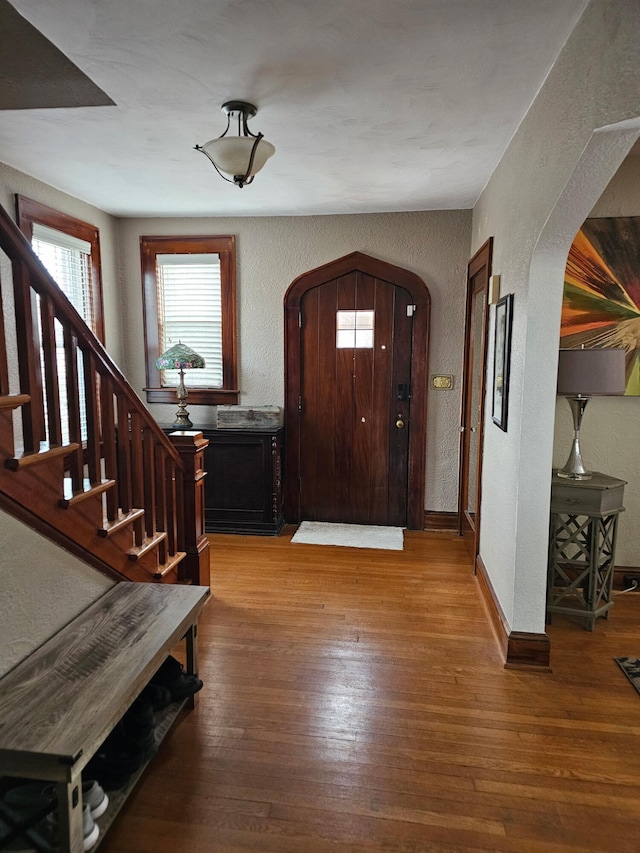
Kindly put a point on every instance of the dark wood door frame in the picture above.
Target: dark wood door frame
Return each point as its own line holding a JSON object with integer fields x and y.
{"x": 478, "y": 272}
{"x": 359, "y": 262}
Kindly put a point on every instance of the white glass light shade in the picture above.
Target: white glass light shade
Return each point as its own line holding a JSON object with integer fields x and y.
{"x": 231, "y": 154}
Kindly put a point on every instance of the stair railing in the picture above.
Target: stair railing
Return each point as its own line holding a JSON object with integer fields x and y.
{"x": 73, "y": 396}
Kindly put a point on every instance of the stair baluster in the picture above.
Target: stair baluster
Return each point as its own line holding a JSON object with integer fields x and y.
{"x": 115, "y": 492}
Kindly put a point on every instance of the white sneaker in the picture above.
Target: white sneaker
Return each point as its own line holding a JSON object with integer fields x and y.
{"x": 36, "y": 797}
{"x": 90, "y": 829}
{"x": 95, "y": 798}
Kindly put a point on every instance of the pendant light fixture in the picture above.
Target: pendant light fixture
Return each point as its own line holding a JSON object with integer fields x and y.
{"x": 242, "y": 156}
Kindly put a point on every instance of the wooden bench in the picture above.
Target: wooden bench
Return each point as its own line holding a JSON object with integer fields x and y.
{"x": 59, "y": 705}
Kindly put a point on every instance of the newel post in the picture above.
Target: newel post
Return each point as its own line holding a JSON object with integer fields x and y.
{"x": 191, "y": 446}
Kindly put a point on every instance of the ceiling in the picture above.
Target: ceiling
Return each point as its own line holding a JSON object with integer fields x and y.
{"x": 372, "y": 105}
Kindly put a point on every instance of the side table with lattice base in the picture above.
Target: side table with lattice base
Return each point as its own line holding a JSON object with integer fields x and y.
{"x": 582, "y": 544}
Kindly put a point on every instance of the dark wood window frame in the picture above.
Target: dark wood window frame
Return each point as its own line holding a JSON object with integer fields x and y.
{"x": 224, "y": 246}
{"x": 29, "y": 211}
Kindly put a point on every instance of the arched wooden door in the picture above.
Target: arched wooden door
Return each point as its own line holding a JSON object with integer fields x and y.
{"x": 356, "y": 334}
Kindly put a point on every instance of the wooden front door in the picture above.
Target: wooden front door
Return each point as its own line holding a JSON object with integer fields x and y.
{"x": 356, "y": 368}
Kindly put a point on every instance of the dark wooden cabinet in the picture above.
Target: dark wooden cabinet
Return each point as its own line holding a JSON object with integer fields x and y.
{"x": 243, "y": 490}
{"x": 243, "y": 487}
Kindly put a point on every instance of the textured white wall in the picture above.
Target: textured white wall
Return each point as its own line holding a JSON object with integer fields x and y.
{"x": 548, "y": 180}
{"x": 272, "y": 252}
{"x": 42, "y": 588}
{"x": 610, "y": 434}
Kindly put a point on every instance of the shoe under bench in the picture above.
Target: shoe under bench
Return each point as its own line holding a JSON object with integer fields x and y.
{"x": 59, "y": 704}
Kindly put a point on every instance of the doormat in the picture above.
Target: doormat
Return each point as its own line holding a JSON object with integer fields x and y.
{"x": 631, "y": 668}
{"x": 349, "y": 535}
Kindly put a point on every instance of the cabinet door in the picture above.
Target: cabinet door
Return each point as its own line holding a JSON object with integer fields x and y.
{"x": 242, "y": 487}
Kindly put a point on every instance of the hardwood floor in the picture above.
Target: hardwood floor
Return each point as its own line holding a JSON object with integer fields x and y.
{"x": 355, "y": 700}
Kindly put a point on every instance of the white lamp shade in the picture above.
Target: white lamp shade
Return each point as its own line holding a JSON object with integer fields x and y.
{"x": 591, "y": 372}
{"x": 231, "y": 154}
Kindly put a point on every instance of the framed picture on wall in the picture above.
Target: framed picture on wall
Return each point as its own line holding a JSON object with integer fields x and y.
{"x": 501, "y": 360}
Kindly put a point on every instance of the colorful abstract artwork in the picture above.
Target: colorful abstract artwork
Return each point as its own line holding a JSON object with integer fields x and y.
{"x": 601, "y": 303}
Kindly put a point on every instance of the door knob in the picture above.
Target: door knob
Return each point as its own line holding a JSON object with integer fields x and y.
{"x": 399, "y": 423}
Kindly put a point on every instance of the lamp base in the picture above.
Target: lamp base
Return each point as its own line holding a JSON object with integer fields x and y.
{"x": 570, "y": 475}
{"x": 573, "y": 468}
{"x": 182, "y": 421}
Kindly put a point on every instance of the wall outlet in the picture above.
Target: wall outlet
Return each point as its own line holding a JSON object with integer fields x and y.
{"x": 632, "y": 582}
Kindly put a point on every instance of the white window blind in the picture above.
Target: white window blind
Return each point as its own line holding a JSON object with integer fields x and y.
{"x": 67, "y": 259}
{"x": 190, "y": 311}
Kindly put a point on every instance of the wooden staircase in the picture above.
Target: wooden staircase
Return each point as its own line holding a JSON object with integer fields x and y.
{"x": 115, "y": 492}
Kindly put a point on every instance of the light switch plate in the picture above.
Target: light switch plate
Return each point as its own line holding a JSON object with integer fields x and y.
{"x": 493, "y": 293}
{"x": 442, "y": 382}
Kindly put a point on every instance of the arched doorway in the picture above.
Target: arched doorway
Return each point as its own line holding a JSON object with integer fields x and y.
{"x": 356, "y": 337}
{"x": 520, "y": 618}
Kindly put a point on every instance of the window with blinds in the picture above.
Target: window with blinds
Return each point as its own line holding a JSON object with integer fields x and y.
{"x": 70, "y": 250}
{"x": 189, "y": 297}
{"x": 190, "y": 312}
{"x": 68, "y": 260}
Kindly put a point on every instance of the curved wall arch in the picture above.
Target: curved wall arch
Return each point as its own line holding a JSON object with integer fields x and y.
{"x": 566, "y": 149}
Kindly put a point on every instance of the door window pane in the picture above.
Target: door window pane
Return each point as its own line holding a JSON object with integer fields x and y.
{"x": 354, "y": 329}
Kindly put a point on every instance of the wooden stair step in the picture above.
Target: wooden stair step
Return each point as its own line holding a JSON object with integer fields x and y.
{"x": 88, "y": 490}
{"x": 138, "y": 551}
{"x": 110, "y": 527}
{"x": 35, "y": 457}
{"x": 13, "y": 401}
{"x": 163, "y": 570}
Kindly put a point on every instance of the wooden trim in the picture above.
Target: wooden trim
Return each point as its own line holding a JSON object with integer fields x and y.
{"x": 528, "y": 651}
{"x": 619, "y": 573}
{"x": 225, "y": 247}
{"x": 479, "y": 263}
{"x": 520, "y": 650}
{"x": 196, "y": 396}
{"x": 191, "y": 446}
{"x": 29, "y": 211}
{"x": 440, "y": 520}
{"x": 376, "y": 268}
{"x": 494, "y": 611}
